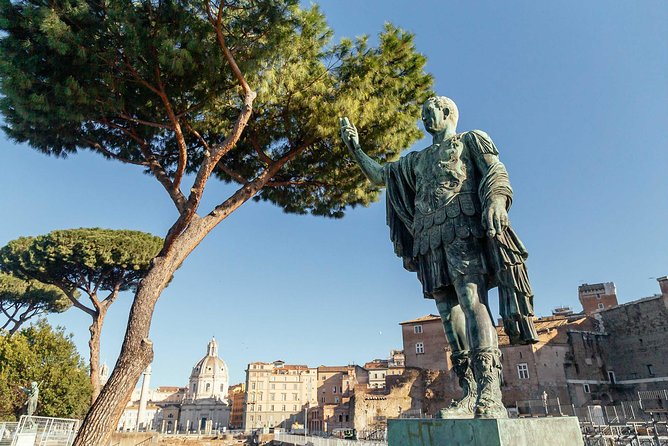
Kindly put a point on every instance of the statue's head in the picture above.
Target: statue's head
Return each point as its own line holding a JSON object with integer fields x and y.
{"x": 34, "y": 384}
{"x": 439, "y": 113}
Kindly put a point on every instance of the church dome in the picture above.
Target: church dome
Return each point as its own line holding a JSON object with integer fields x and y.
{"x": 209, "y": 377}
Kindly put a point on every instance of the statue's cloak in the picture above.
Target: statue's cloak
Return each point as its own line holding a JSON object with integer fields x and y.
{"x": 505, "y": 254}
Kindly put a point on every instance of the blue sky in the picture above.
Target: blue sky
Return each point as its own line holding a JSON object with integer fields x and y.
{"x": 575, "y": 95}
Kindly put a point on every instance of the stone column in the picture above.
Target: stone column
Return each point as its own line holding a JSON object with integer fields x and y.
{"x": 143, "y": 398}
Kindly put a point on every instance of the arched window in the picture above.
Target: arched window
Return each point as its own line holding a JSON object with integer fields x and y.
{"x": 208, "y": 386}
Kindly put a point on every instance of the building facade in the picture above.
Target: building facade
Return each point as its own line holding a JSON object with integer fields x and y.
{"x": 424, "y": 342}
{"x": 237, "y": 398}
{"x": 623, "y": 353}
{"x": 277, "y": 394}
{"x": 205, "y": 406}
{"x": 597, "y": 297}
{"x": 202, "y": 406}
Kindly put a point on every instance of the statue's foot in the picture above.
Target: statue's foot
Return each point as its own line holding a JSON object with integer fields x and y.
{"x": 490, "y": 410}
{"x": 456, "y": 411}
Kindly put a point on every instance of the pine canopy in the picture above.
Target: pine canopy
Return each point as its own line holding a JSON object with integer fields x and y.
{"x": 146, "y": 82}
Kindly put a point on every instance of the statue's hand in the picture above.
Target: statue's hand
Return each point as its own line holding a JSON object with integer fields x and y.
{"x": 349, "y": 134}
{"x": 495, "y": 219}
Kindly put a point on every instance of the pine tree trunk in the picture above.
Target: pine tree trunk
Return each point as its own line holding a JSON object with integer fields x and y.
{"x": 136, "y": 354}
{"x": 137, "y": 350}
{"x": 95, "y": 330}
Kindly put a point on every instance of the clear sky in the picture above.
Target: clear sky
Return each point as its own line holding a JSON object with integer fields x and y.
{"x": 575, "y": 95}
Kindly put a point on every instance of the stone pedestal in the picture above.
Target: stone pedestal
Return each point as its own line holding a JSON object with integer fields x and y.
{"x": 559, "y": 431}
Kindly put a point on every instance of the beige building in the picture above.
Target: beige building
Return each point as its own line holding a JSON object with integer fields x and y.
{"x": 378, "y": 369}
{"x": 277, "y": 394}
{"x": 336, "y": 386}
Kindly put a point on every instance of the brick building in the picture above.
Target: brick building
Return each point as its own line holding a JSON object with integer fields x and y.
{"x": 625, "y": 352}
{"x": 237, "y": 397}
{"x": 528, "y": 370}
{"x": 597, "y": 297}
{"x": 336, "y": 386}
{"x": 424, "y": 343}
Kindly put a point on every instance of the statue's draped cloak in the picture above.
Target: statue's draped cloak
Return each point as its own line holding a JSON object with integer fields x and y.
{"x": 505, "y": 254}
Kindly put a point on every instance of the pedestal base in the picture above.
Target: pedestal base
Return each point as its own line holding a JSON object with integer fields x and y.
{"x": 559, "y": 431}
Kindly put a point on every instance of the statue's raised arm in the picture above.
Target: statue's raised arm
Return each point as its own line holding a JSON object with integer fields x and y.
{"x": 372, "y": 170}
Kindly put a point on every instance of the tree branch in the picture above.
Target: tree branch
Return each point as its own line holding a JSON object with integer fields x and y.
{"x": 261, "y": 153}
{"x": 214, "y": 155}
{"x": 176, "y": 126}
{"x": 100, "y": 148}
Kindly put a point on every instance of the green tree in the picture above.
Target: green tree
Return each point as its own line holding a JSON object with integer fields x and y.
{"x": 97, "y": 262}
{"x": 48, "y": 356}
{"x": 21, "y": 300}
{"x": 246, "y": 90}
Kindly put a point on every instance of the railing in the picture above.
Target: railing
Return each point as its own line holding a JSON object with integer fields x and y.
{"x": 42, "y": 431}
{"x": 300, "y": 440}
{"x": 7, "y": 431}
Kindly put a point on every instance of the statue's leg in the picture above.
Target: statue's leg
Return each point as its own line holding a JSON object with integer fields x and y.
{"x": 483, "y": 340}
{"x": 454, "y": 324}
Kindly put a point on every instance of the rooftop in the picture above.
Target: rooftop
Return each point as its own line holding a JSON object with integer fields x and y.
{"x": 427, "y": 318}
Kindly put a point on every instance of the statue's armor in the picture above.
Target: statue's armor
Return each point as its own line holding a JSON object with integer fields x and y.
{"x": 446, "y": 199}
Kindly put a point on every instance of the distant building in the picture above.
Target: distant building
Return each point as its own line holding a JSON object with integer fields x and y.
{"x": 200, "y": 407}
{"x": 277, "y": 394}
{"x": 528, "y": 370}
{"x": 336, "y": 386}
{"x": 424, "y": 343}
{"x": 623, "y": 354}
{"x": 237, "y": 397}
{"x": 205, "y": 406}
{"x": 377, "y": 371}
{"x": 597, "y": 297}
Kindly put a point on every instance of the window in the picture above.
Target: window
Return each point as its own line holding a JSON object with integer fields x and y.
{"x": 347, "y": 419}
{"x": 336, "y": 399}
{"x": 294, "y": 397}
{"x": 272, "y": 396}
{"x": 611, "y": 377}
{"x": 208, "y": 386}
{"x": 259, "y": 396}
{"x": 417, "y": 329}
{"x": 252, "y": 386}
{"x": 586, "y": 388}
{"x": 322, "y": 400}
{"x": 284, "y": 397}
{"x": 294, "y": 408}
{"x": 252, "y": 397}
{"x": 271, "y": 408}
{"x": 650, "y": 369}
{"x": 259, "y": 409}
{"x": 340, "y": 418}
{"x": 419, "y": 348}
{"x": 273, "y": 387}
{"x": 194, "y": 387}
{"x": 601, "y": 306}
{"x": 523, "y": 370}
{"x": 334, "y": 389}
{"x": 283, "y": 408}
{"x": 221, "y": 387}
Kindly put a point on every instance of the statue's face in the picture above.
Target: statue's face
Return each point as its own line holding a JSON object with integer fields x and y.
{"x": 433, "y": 118}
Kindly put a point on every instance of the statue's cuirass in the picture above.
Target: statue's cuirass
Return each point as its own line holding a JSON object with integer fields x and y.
{"x": 446, "y": 198}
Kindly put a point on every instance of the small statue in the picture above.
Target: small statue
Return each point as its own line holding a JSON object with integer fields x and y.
{"x": 33, "y": 395}
{"x": 447, "y": 212}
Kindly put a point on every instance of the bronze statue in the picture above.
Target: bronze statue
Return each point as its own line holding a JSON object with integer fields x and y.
{"x": 447, "y": 212}
{"x": 33, "y": 395}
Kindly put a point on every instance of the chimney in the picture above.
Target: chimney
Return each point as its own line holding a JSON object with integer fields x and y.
{"x": 663, "y": 284}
